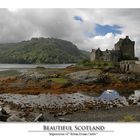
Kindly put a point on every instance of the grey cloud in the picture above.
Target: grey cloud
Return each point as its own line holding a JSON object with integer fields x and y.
{"x": 26, "y": 23}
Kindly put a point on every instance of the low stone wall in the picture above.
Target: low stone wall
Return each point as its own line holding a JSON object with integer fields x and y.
{"x": 130, "y": 66}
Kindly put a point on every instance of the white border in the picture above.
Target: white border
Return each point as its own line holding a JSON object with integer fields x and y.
{"x": 70, "y": 3}
{"x": 19, "y": 131}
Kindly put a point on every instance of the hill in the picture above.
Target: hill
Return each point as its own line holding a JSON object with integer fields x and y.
{"x": 41, "y": 50}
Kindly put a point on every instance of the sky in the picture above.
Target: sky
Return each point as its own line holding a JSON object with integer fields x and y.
{"x": 86, "y": 28}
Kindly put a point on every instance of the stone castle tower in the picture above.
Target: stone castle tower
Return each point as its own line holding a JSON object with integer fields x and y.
{"x": 126, "y": 47}
{"x": 123, "y": 49}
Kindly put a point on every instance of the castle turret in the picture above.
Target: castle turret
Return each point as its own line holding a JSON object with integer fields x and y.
{"x": 126, "y": 47}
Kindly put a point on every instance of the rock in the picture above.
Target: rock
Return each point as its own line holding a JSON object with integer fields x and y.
{"x": 3, "y": 111}
{"x": 39, "y": 118}
{"x": 3, "y": 115}
{"x": 64, "y": 120}
{"x": 15, "y": 118}
{"x": 60, "y": 114}
{"x": 102, "y": 78}
{"x": 34, "y": 76}
{"x": 134, "y": 98}
{"x": 48, "y": 116}
{"x": 84, "y": 76}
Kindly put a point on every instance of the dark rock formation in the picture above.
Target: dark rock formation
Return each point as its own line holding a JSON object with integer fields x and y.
{"x": 3, "y": 115}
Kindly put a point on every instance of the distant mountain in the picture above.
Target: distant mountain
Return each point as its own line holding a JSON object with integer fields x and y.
{"x": 41, "y": 50}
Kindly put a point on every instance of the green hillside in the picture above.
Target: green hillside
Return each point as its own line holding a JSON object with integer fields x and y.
{"x": 41, "y": 50}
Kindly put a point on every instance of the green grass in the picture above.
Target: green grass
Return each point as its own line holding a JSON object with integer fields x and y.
{"x": 128, "y": 118}
{"x": 59, "y": 80}
{"x": 9, "y": 73}
{"x": 96, "y": 64}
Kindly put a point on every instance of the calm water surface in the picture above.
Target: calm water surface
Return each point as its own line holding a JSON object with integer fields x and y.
{"x": 31, "y": 66}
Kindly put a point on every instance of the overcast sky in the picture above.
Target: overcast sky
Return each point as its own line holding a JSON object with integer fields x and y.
{"x": 87, "y": 28}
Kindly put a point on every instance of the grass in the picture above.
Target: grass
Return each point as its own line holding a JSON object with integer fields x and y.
{"x": 96, "y": 64}
{"x": 59, "y": 80}
{"x": 128, "y": 118}
{"x": 9, "y": 73}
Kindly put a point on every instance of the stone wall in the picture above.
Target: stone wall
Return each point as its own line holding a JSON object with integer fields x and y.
{"x": 130, "y": 66}
{"x": 108, "y": 55}
{"x": 92, "y": 56}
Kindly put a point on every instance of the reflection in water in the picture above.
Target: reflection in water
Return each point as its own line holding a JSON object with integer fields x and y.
{"x": 109, "y": 95}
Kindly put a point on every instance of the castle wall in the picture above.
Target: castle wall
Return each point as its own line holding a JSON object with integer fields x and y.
{"x": 92, "y": 56}
{"x": 130, "y": 66}
{"x": 124, "y": 50}
{"x": 126, "y": 47}
{"x": 108, "y": 55}
{"x": 127, "y": 50}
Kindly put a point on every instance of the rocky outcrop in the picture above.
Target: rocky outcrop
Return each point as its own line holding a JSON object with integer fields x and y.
{"x": 86, "y": 76}
{"x": 34, "y": 76}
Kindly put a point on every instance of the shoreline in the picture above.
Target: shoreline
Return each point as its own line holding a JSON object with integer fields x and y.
{"x": 69, "y": 80}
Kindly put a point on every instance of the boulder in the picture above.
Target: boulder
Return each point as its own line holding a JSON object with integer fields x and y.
{"x": 84, "y": 76}
{"x": 3, "y": 115}
{"x": 34, "y": 76}
{"x": 103, "y": 78}
{"x": 134, "y": 98}
{"x": 3, "y": 111}
{"x": 15, "y": 118}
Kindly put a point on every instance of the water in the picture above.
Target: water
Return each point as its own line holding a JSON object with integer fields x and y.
{"x": 31, "y": 66}
{"x": 109, "y": 95}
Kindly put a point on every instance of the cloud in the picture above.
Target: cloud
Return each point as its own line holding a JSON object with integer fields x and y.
{"x": 87, "y": 28}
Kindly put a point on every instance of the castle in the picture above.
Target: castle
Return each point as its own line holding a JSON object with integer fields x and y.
{"x": 123, "y": 50}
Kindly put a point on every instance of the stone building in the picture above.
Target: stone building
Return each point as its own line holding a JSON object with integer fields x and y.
{"x": 126, "y": 47}
{"x": 130, "y": 66}
{"x": 123, "y": 49}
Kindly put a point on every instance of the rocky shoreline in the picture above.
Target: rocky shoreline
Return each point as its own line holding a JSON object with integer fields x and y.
{"x": 33, "y": 108}
{"x": 58, "y": 94}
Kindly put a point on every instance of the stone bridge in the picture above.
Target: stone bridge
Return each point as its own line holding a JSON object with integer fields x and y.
{"x": 130, "y": 66}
